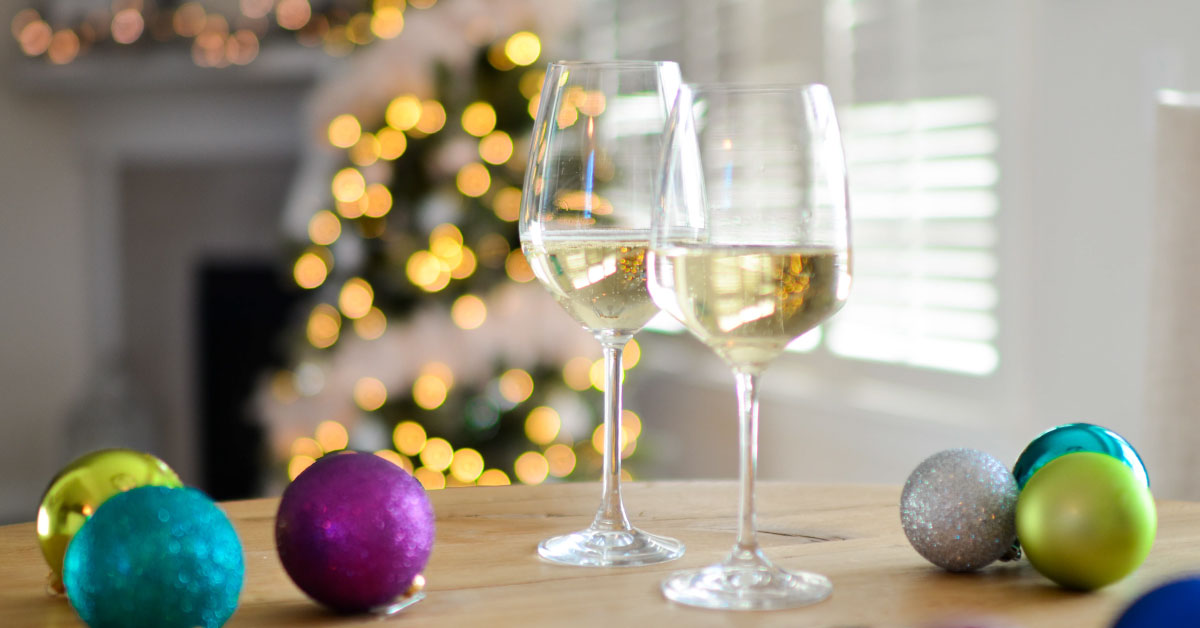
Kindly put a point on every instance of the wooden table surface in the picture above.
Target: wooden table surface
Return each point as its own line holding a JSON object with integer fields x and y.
{"x": 484, "y": 572}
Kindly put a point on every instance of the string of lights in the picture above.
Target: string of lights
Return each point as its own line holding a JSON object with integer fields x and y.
{"x": 218, "y": 37}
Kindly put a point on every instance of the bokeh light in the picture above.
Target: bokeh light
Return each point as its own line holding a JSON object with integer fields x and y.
{"x": 305, "y": 446}
{"x": 531, "y": 83}
{"x": 372, "y": 325}
{"x": 189, "y": 19}
{"x": 596, "y": 374}
{"x": 632, "y": 354}
{"x": 534, "y": 104}
{"x": 531, "y": 468}
{"x": 332, "y": 435}
{"x": 542, "y": 425}
{"x": 507, "y": 204}
{"x": 379, "y": 200}
{"x": 400, "y": 461}
{"x": 493, "y": 250}
{"x": 561, "y": 460}
{"x": 392, "y": 143}
{"x": 298, "y": 464}
{"x": 324, "y": 228}
{"x": 576, "y": 373}
{"x": 409, "y": 437}
{"x": 517, "y": 267}
{"x": 344, "y": 131}
{"x": 479, "y": 118}
{"x": 127, "y": 26}
{"x": 468, "y": 311}
{"x": 242, "y": 47}
{"x": 496, "y": 147}
{"x": 348, "y": 185}
{"x": 387, "y": 22}
{"x": 493, "y": 477}
{"x": 310, "y": 271}
{"x": 592, "y": 103}
{"x": 403, "y": 112}
{"x": 64, "y": 46}
{"x": 429, "y": 391}
{"x": 631, "y": 424}
{"x": 366, "y": 150}
{"x": 438, "y": 454}
{"x": 473, "y": 179}
{"x": 466, "y": 265}
{"x": 356, "y": 298}
{"x": 516, "y": 385}
{"x": 293, "y": 14}
{"x": 370, "y": 394}
{"x": 467, "y": 465}
{"x": 324, "y": 326}
{"x": 523, "y": 48}
{"x": 430, "y": 479}
{"x": 432, "y": 118}
{"x": 35, "y": 37}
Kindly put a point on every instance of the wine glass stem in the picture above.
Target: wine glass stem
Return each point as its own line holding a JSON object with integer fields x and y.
{"x": 611, "y": 515}
{"x": 747, "y": 393}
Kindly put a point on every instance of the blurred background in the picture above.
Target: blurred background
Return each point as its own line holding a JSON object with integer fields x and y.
{"x": 242, "y": 233}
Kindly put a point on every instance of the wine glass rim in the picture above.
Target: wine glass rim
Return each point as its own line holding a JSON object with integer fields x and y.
{"x": 626, "y": 63}
{"x": 755, "y": 87}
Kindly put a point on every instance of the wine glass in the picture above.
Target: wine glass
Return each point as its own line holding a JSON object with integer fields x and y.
{"x": 585, "y": 228}
{"x": 750, "y": 248}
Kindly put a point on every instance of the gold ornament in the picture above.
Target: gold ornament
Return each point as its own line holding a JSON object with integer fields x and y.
{"x": 79, "y": 489}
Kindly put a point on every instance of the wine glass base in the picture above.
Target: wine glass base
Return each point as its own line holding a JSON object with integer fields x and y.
{"x": 746, "y": 587}
{"x": 610, "y": 548}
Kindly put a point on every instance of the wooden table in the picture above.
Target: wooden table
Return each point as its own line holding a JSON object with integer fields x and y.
{"x": 484, "y": 572}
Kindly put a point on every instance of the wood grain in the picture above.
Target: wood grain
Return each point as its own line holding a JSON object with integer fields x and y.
{"x": 484, "y": 572}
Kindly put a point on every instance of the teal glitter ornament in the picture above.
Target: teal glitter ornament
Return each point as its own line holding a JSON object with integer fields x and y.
{"x": 155, "y": 557}
{"x": 1075, "y": 437}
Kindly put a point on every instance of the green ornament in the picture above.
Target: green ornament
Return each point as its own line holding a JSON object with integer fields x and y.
{"x": 1085, "y": 520}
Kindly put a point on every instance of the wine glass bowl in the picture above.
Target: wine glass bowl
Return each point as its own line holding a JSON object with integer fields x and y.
{"x": 585, "y": 229}
{"x": 750, "y": 249}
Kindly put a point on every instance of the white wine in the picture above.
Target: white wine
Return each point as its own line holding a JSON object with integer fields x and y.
{"x": 601, "y": 282}
{"x": 748, "y": 302}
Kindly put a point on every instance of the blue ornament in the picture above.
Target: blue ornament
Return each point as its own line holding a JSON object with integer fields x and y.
{"x": 1073, "y": 437}
{"x": 1175, "y": 603}
{"x": 155, "y": 557}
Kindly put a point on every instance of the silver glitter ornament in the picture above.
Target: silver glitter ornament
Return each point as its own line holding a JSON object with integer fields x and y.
{"x": 959, "y": 510}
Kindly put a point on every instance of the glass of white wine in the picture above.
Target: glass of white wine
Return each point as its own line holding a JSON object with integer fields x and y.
{"x": 750, "y": 248}
{"x": 585, "y": 228}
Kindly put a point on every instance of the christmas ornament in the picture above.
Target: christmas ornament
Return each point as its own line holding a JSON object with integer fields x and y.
{"x": 354, "y": 531}
{"x": 1175, "y": 603}
{"x": 155, "y": 556}
{"x": 79, "y": 489}
{"x": 1086, "y": 520}
{"x": 1074, "y": 437}
{"x": 957, "y": 509}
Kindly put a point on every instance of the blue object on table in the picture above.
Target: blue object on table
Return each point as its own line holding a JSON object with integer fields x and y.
{"x": 1073, "y": 437}
{"x": 155, "y": 557}
{"x": 1175, "y": 603}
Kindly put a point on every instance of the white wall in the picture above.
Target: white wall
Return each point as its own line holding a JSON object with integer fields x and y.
{"x": 44, "y": 347}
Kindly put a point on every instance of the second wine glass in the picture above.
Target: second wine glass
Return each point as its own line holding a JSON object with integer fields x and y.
{"x": 750, "y": 248}
{"x": 585, "y": 220}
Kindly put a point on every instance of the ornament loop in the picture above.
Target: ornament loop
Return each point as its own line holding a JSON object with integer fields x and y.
{"x": 414, "y": 594}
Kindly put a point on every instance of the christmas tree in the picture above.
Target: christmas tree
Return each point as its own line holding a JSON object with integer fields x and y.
{"x": 426, "y": 339}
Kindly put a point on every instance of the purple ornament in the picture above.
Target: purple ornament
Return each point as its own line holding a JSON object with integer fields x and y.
{"x": 353, "y": 530}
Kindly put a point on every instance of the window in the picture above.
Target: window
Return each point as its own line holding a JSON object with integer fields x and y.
{"x": 917, "y": 81}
